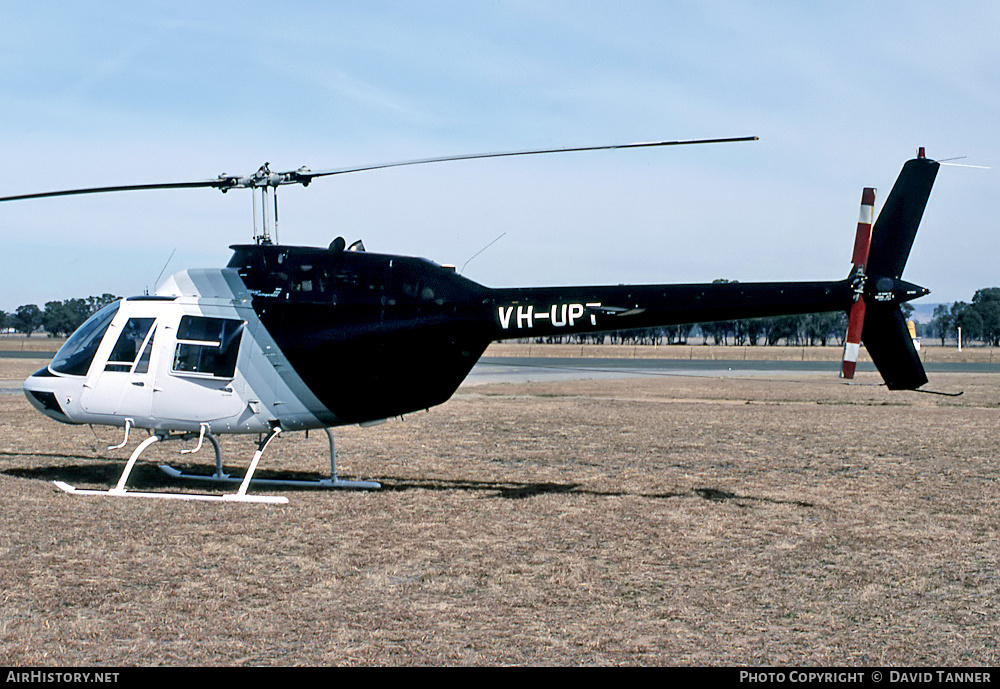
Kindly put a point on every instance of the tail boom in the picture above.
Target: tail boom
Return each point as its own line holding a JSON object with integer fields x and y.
{"x": 871, "y": 294}
{"x": 549, "y": 311}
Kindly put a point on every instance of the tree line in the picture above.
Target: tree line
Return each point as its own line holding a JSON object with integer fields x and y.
{"x": 808, "y": 329}
{"x": 979, "y": 320}
{"x": 58, "y": 318}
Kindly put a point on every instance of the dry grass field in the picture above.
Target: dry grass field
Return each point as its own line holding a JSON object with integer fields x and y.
{"x": 644, "y": 521}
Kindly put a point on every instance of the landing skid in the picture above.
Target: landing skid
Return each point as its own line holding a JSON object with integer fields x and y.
{"x": 221, "y": 477}
{"x": 239, "y": 496}
{"x": 277, "y": 500}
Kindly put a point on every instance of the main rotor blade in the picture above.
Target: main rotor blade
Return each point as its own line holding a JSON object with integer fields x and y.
{"x": 307, "y": 175}
{"x": 124, "y": 187}
{"x": 265, "y": 178}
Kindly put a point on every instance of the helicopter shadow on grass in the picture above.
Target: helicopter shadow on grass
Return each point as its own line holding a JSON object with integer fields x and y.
{"x": 147, "y": 477}
{"x": 99, "y": 474}
{"x": 515, "y": 490}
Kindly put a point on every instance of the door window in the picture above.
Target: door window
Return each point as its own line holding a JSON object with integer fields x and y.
{"x": 134, "y": 335}
{"x": 208, "y": 346}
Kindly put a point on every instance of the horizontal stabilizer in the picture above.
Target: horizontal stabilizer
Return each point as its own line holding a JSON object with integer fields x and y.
{"x": 891, "y": 348}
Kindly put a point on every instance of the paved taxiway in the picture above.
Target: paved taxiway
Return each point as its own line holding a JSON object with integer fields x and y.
{"x": 539, "y": 369}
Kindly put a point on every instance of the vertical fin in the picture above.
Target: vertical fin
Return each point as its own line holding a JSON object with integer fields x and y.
{"x": 899, "y": 219}
{"x": 888, "y": 341}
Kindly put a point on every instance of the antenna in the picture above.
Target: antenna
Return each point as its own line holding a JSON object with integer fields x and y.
{"x": 164, "y": 267}
{"x": 945, "y": 162}
{"x": 481, "y": 251}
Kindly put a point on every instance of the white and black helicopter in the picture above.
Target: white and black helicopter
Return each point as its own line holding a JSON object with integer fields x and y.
{"x": 292, "y": 338}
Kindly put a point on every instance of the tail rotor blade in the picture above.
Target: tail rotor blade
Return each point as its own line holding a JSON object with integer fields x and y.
{"x": 856, "y": 320}
{"x": 863, "y": 239}
{"x": 852, "y": 344}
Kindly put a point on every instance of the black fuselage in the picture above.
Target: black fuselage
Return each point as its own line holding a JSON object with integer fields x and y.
{"x": 376, "y": 336}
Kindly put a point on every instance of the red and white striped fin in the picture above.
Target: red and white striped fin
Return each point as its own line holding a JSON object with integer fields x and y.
{"x": 856, "y": 320}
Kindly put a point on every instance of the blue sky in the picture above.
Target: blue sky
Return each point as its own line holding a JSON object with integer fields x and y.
{"x": 840, "y": 94}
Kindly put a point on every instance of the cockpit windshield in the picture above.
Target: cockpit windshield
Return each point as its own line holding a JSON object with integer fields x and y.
{"x": 74, "y": 357}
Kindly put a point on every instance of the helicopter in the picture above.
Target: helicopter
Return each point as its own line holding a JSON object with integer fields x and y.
{"x": 294, "y": 338}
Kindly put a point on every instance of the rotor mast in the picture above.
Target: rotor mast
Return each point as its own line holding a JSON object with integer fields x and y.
{"x": 267, "y": 182}
{"x": 268, "y": 197}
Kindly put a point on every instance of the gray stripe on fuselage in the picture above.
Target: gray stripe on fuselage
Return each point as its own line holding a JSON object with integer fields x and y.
{"x": 225, "y": 284}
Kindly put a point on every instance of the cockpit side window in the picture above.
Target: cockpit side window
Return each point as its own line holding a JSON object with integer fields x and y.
{"x": 208, "y": 346}
{"x": 74, "y": 357}
{"x": 129, "y": 344}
